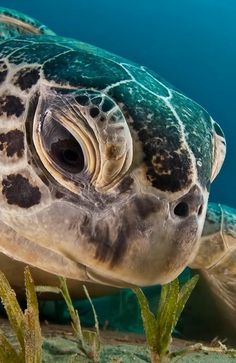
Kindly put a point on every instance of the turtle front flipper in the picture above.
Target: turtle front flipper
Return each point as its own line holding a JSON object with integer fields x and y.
{"x": 216, "y": 261}
{"x": 14, "y": 23}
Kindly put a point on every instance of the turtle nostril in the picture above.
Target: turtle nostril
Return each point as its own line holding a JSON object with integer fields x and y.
{"x": 200, "y": 210}
{"x": 181, "y": 210}
{"x": 190, "y": 204}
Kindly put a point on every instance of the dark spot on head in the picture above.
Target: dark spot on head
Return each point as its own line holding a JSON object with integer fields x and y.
{"x": 94, "y": 111}
{"x": 3, "y": 75}
{"x": 102, "y": 118}
{"x": 97, "y": 101}
{"x": 18, "y": 191}
{"x": 107, "y": 105}
{"x": 121, "y": 243}
{"x": 112, "y": 151}
{"x": 82, "y": 100}
{"x": 125, "y": 184}
{"x": 58, "y": 194}
{"x": 169, "y": 172}
{"x": 26, "y": 78}
{"x": 168, "y": 163}
{"x": 12, "y": 142}
{"x": 145, "y": 207}
{"x": 101, "y": 237}
{"x": 107, "y": 250}
{"x": 3, "y": 71}
{"x": 11, "y": 105}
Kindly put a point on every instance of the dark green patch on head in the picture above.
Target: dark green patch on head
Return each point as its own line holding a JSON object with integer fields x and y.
{"x": 70, "y": 68}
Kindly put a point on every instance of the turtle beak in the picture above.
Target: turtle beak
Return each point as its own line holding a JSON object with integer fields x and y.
{"x": 155, "y": 239}
{"x": 175, "y": 230}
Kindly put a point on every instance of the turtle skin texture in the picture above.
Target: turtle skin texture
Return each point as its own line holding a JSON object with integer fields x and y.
{"x": 105, "y": 170}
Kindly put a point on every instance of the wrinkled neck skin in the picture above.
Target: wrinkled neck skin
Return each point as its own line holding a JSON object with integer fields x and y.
{"x": 127, "y": 237}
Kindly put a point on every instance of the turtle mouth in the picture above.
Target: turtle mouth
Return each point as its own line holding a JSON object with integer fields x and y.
{"x": 99, "y": 278}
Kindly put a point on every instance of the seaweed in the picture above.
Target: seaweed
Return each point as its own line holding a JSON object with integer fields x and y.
{"x": 25, "y": 324}
{"x": 159, "y": 327}
{"x": 88, "y": 341}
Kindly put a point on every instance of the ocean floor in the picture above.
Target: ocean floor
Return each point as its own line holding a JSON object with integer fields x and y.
{"x": 60, "y": 346}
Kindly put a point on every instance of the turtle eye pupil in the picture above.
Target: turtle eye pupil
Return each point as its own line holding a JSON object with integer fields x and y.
{"x": 70, "y": 156}
{"x": 62, "y": 147}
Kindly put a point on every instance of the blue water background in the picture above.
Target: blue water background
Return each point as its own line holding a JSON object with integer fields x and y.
{"x": 191, "y": 43}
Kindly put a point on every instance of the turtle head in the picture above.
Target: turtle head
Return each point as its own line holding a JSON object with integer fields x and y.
{"x": 117, "y": 180}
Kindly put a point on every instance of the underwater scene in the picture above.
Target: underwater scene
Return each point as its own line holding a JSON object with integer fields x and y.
{"x": 117, "y": 168}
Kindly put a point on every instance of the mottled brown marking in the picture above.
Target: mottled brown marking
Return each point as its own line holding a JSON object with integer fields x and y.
{"x": 59, "y": 195}
{"x": 106, "y": 248}
{"x": 112, "y": 151}
{"x": 145, "y": 207}
{"x": 11, "y": 106}
{"x": 12, "y": 142}
{"x": 3, "y": 71}
{"x": 26, "y": 78}
{"x": 169, "y": 171}
{"x": 18, "y": 191}
{"x": 125, "y": 184}
{"x": 94, "y": 111}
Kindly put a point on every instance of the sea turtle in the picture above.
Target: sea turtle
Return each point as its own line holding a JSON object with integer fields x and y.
{"x": 105, "y": 169}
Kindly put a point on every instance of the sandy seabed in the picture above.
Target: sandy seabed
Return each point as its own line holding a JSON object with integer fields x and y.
{"x": 60, "y": 346}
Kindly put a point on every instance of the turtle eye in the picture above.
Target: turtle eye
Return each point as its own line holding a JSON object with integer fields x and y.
{"x": 67, "y": 153}
{"x": 62, "y": 147}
